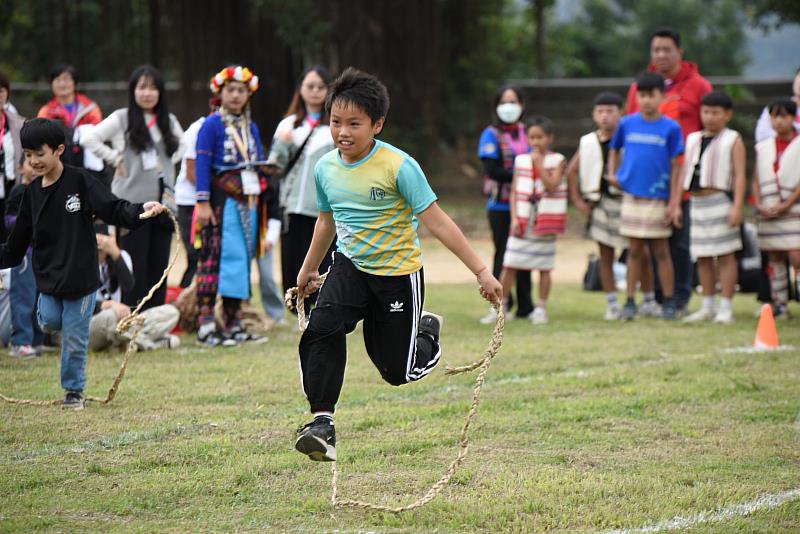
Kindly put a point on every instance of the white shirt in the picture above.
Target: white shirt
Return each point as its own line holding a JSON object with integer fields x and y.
{"x": 184, "y": 189}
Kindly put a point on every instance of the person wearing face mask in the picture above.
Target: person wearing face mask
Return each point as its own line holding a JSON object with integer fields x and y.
{"x": 499, "y": 144}
{"x": 145, "y": 147}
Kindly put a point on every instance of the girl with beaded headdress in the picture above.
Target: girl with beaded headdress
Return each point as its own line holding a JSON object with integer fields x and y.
{"x": 236, "y": 211}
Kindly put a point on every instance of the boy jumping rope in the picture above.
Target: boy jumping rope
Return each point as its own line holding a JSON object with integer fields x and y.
{"x": 370, "y": 195}
{"x": 56, "y": 217}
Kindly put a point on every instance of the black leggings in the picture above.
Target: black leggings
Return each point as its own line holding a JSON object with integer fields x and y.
{"x": 500, "y": 222}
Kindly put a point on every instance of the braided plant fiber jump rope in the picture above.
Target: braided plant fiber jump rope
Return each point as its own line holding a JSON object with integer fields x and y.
{"x": 133, "y": 322}
{"x": 292, "y": 301}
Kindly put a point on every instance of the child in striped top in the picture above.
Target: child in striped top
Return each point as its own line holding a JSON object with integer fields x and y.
{"x": 538, "y": 213}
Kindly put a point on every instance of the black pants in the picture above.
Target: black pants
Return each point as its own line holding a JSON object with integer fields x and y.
{"x": 680, "y": 253}
{"x": 295, "y": 242}
{"x": 192, "y": 254}
{"x": 148, "y": 246}
{"x": 500, "y": 222}
{"x": 390, "y": 307}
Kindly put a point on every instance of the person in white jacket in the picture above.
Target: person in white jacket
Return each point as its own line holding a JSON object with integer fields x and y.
{"x": 145, "y": 146}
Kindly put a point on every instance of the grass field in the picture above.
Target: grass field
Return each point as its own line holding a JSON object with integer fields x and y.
{"x": 584, "y": 426}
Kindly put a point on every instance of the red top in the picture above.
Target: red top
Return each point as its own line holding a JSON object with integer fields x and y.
{"x": 86, "y": 112}
{"x": 682, "y": 99}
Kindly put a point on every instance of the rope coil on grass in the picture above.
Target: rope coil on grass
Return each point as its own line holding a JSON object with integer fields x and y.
{"x": 133, "y": 322}
{"x": 293, "y": 302}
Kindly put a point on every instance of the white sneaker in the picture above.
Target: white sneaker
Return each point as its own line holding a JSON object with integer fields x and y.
{"x": 613, "y": 313}
{"x": 489, "y": 318}
{"x": 703, "y": 314}
{"x": 724, "y": 317}
{"x": 650, "y": 308}
{"x": 539, "y": 316}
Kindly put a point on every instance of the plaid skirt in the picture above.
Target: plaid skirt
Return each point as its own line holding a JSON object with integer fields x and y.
{"x": 643, "y": 218}
{"x": 711, "y": 236}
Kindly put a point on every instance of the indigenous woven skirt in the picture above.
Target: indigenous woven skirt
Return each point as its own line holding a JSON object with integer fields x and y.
{"x": 782, "y": 233}
{"x": 530, "y": 253}
{"x": 643, "y": 218}
{"x": 711, "y": 236}
{"x": 604, "y": 227}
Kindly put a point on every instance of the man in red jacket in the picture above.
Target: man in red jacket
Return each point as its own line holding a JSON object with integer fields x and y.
{"x": 685, "y": 89}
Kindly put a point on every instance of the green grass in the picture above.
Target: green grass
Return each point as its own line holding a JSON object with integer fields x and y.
{"x": 584, "y": 426}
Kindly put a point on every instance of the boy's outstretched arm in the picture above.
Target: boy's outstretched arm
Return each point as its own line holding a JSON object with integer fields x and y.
{"x": 324, "y": 232}
{"x": 446, "y": 231}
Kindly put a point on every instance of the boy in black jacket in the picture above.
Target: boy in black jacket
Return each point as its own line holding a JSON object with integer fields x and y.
{"x": 56, "y": 217}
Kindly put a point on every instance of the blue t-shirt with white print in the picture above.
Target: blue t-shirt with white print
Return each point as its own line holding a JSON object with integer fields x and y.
{"x": 649, "y": 146}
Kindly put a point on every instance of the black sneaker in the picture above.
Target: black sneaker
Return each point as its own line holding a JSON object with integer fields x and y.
{"x": 317, "y": 440}
{"x": 240, "y": 335}
{"x": 215, "y": 338}
{"x": 668, "y": 311}
{"x": 431, "y": 324}
{"x": 628, "y": 311}
{"x": 73, "y": 400}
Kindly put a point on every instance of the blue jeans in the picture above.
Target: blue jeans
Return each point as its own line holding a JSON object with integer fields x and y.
{"x": 72, "y": 318}
{"x": 24, "y": 327}
{"x": 271, "y": 297}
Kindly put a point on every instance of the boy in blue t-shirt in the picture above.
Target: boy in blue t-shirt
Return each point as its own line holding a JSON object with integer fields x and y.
{"x": 370, "y": 195}
{"x": 648, "y": 175}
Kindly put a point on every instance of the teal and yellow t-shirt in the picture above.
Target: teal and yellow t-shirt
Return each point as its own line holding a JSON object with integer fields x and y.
{"x": 374, "y": 203}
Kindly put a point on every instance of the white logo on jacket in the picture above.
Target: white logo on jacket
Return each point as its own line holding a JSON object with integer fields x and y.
{"x": 395, "y": 307}
{"x": 73, "y": 203}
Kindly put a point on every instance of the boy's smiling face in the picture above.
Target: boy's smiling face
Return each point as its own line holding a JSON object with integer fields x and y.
{"x": 44, "y": 159}
{"x": 352, "y": 131}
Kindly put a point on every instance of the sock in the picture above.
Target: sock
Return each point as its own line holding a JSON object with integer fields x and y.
{"x": 650, "y": 296}
{"x": 724, "y": 304}
{"x": 779, "y": 279}
{"x": 708, "y": 303}
{"x": 206, "y": 329}
{"x": 542, "y": 304}
{"x": 611, "y": 300}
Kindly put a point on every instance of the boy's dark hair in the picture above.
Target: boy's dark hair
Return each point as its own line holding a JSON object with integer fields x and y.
{"x": 608, "y": 98}
{"x": 781, "y": 106}
{"x": 36, "y": 133}
{"x": 4, "y": 82}
{"x": 359, "y": 90}
{"x": 60, "y": 68}
{"x": 667, "y": 32}
{"x": 717, "y": 99}
{"x": 542, "y": 122}
{"x": 649, "y": 81}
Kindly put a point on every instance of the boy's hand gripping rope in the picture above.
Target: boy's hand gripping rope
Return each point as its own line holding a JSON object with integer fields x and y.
{"x": 133, "y": 322}
{"x": 293, "y": 301}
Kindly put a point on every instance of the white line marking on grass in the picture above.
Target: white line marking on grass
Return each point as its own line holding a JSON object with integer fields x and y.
{"x": 766, "y": 502}
{"x": 750, "y": 350}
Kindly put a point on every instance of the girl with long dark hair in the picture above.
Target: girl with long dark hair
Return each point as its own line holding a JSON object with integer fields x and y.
{"x": 145, "y": 146}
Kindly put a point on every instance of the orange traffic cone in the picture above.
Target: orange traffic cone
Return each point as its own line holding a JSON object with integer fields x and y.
{"x": 766, "y": 334}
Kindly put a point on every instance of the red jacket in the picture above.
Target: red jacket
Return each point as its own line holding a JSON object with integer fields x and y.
{"x": 682, "y": 100}
{"x": 87, "y": 112}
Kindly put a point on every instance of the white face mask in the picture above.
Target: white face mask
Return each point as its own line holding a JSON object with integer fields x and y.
{"x": 510, "y": 112}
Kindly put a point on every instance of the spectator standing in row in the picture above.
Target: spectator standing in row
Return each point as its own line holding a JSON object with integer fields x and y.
{"x": 145, "y": 146}
{"x": 684, "y": 91}
{"x": 301, "y": 139}
{"x": 500, "y": 143}
{"x": 764, "y": 126}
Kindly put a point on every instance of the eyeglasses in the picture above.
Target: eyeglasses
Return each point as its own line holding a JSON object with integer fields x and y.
{"x": 314, "y": 86}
